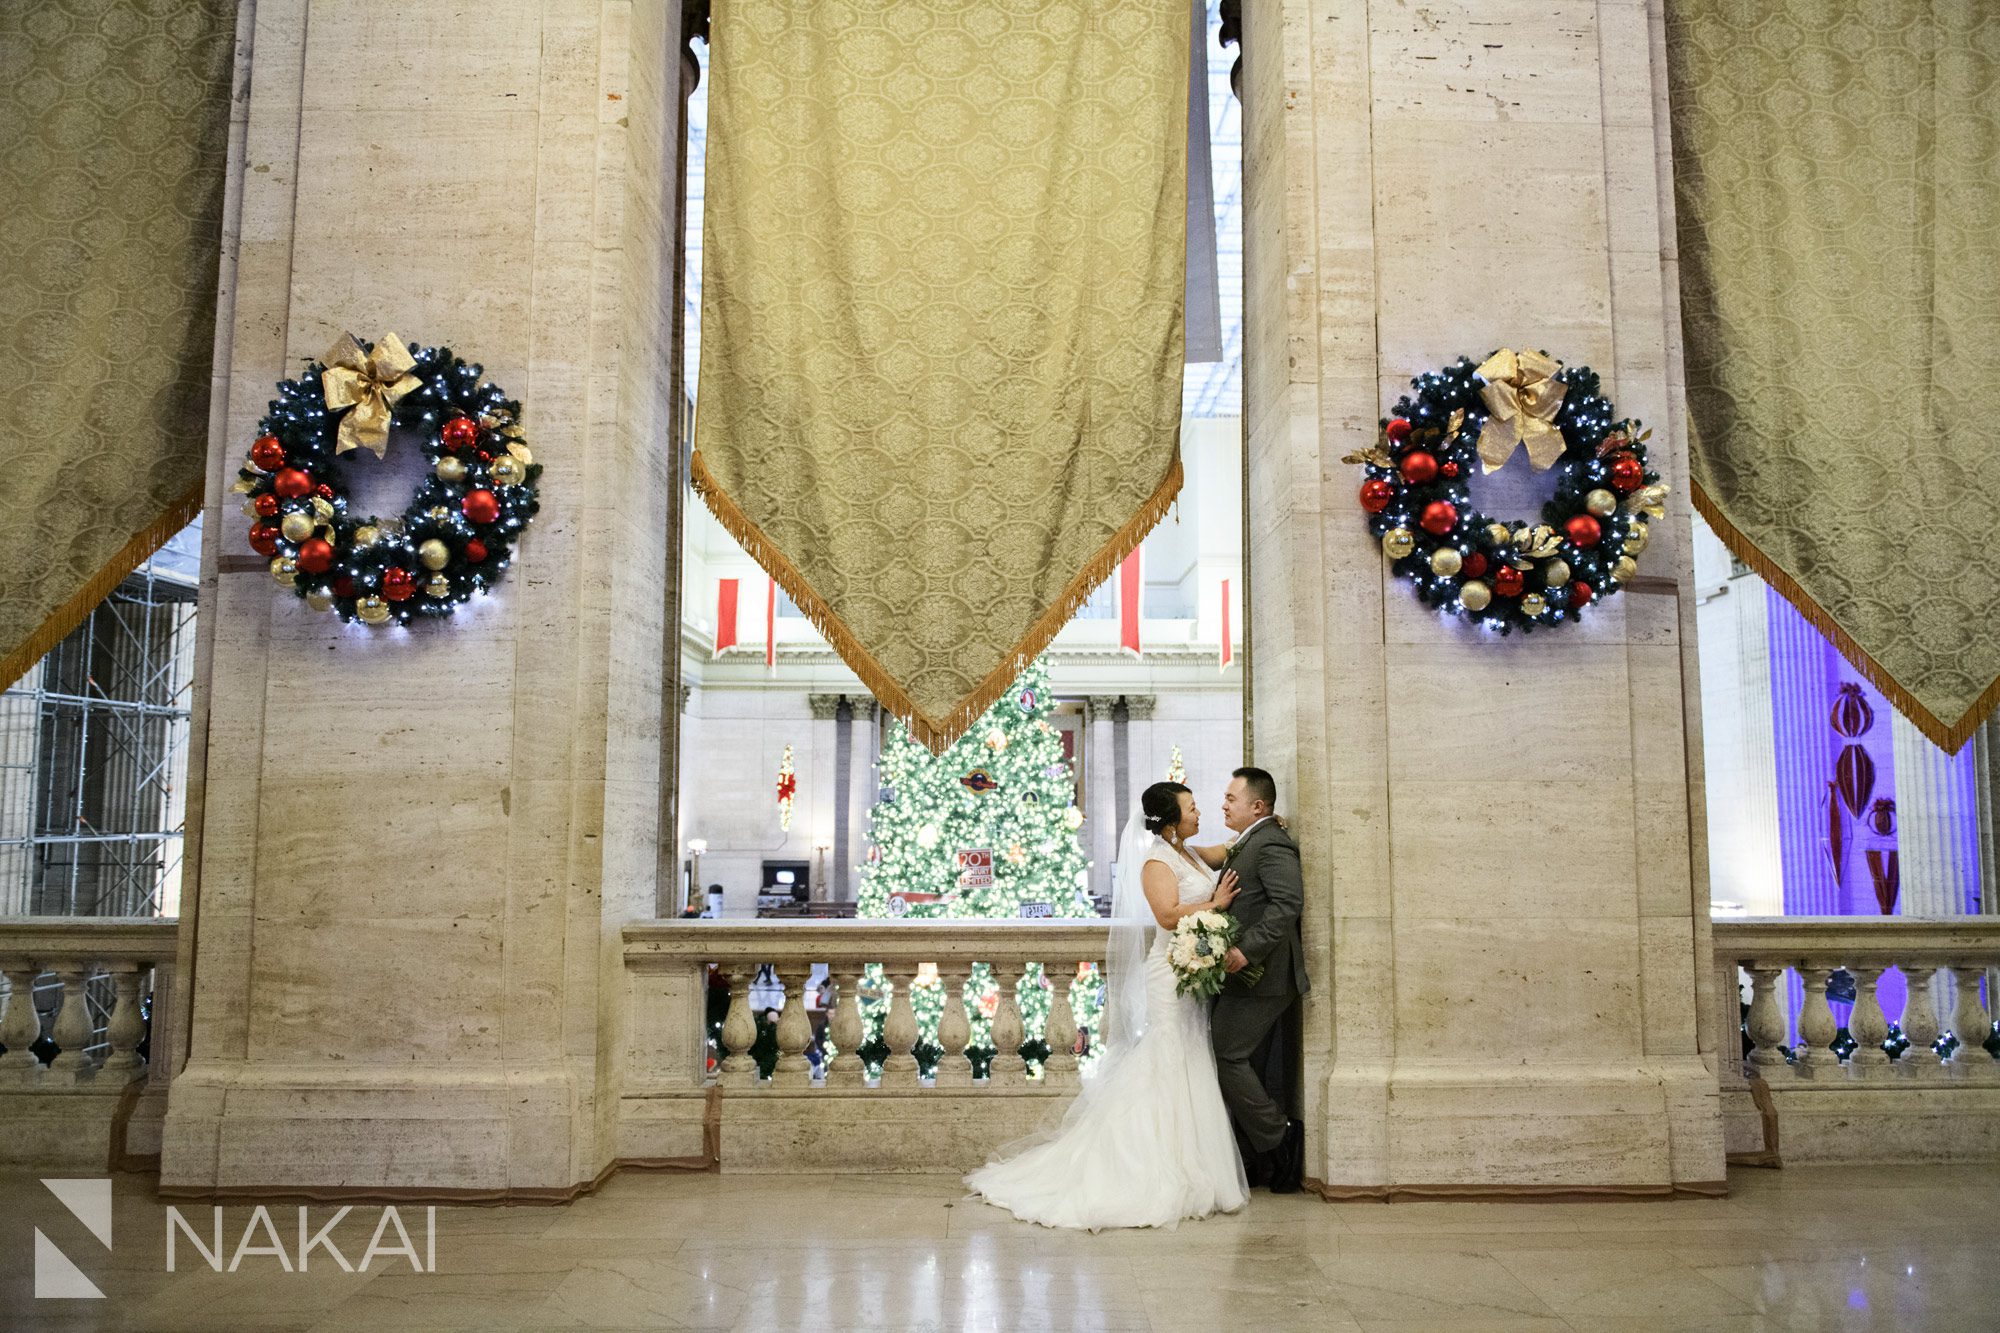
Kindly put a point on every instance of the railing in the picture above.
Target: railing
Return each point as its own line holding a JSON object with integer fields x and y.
{"x": 904, "y": 950}
{"x": 122, "y": 955}
{"x": 1945, "y": 1018}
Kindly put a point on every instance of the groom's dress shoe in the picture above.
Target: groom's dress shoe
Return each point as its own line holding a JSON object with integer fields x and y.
{"x": 1288, "y": 1160}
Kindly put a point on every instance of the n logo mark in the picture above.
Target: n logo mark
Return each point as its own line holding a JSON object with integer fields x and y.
{"x": 56, "y": 1278}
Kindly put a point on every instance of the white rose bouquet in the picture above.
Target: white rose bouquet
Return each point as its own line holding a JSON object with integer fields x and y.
{"x": 1200, "y": 944}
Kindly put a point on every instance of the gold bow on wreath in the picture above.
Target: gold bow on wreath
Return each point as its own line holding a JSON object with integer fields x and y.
{"x": 1522, "y": 396}
{"x": 370, "y": 383}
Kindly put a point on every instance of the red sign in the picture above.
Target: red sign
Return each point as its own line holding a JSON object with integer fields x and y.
{"x": 975, "y": 868}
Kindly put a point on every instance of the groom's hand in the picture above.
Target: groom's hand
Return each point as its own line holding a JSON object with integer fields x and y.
{"x": 1234, "y": 961}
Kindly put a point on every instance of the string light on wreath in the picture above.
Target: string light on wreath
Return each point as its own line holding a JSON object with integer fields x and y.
{"x": 457, "y": 533}
{"x": 1510, "y": 575}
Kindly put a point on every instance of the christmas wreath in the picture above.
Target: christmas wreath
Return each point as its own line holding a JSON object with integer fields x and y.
{"x": 455, "y": 536}
{"x": 1503, "y": 574}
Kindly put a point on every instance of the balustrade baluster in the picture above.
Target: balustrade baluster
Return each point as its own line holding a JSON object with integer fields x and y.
{"x": 845, "y": 1029}
{"x": 1866, "y": 1024}
{"x": 72, "y": 1027}
{"x": 21, "y": 1025}
{"x": 899, "y": 1030}
{"x": 795, "y": 1032}
{"x": 1009, "y": 1069}
{"x": 1816, "y": 1026}
{"x": 1919, "y": 1021}
{"x": 739, "y": 1030}
{"x": 1970, "y": 1022}
{"x": 125, "y": 1026}
{"x": 954, "y": 1067}
{"x": 1060, "y": 1031}
{"x": 1767, "y": 1021}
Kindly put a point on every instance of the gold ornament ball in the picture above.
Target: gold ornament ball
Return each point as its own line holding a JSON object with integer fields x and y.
{"x": 1447, "y": 561}
{"x": 1624, "y": 569}
{"x": 1497, "y": 533}
{"x": 1398, "y": 542}
{"x": 439, "y": 586}
{"x": 296, "y": 526}
{"x": 372, "y": 610}
{"x": 508, "y": 470}
{"x": 1555, "y": 573}
{"x": 1533, "y": 605}
{"x": 451, "y": 470}
{"x": 285, "y": 570}
{"x": 434, "y": 553}
{"x": 1636, "y": 539}
{"x": 367, "y": 535}
{"x": 1475, "y": 595}
{"x": 1601, "y": 503}
{"x": 319, "y": 599}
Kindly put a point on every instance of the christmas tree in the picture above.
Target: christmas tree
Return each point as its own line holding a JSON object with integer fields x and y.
{"x": 986, "y": 829}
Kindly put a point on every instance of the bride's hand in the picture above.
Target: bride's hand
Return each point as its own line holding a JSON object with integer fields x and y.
{"x": 1225, "y": 890}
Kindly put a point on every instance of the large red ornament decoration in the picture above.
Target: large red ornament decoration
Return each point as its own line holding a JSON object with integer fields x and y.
{"x": 1854, "y": 778}
{"x": 1461, "y": 421}
{"x": 1852, "y": 715}
{"x": 453, "y": 539}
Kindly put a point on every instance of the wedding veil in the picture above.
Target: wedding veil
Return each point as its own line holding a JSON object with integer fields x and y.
{"x": 1132, "y": 929}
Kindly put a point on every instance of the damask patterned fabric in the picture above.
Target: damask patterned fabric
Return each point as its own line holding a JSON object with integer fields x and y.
{"x": 1838, "y": 186}
{"x": 942, "y": 318}
{"x": 114, "y": 123}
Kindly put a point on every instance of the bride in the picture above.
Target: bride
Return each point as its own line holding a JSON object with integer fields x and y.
{"x": 1147, "y": 1142}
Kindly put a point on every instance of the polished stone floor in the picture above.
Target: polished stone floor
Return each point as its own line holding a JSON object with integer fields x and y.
{"x": 1875, "y": 1247}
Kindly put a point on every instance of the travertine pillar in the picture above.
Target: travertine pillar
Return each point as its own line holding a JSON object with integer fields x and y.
{"x": 416, "y": 847}
{"x": 1507, "y": 921}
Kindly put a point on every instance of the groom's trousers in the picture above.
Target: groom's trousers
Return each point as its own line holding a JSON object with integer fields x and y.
{"x": 1237, "y": 1027}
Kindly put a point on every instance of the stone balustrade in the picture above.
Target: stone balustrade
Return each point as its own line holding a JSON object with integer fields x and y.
{"x": 897, "y": 1119}
{"x": 1827, "y": 1103}
{"x": 108, "y": 968}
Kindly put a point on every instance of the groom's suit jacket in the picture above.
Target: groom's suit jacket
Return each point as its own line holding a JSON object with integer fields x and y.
{"x": 1270, "y": 896}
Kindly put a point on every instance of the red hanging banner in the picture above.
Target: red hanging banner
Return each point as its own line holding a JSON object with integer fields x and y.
{"x": 1130, "y": 589}
{"x": 725, "y": 614}
{"x": 771, "y": 623}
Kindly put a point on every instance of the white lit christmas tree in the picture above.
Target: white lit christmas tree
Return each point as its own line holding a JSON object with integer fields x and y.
{"x": 986, "y": 829}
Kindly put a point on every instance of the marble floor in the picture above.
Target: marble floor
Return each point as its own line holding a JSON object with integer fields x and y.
{"x": 1875, "y": 1247}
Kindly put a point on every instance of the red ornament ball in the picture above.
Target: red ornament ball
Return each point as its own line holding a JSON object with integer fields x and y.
{"x": 267, "y": 453}
{"x": 263, "y": 539}
{"x": 475, "y": 551}
{"x": 323, "y": 491}
{"x": 292, "y": 483}
{"x": 1449, "y": 471}
{"x": 399, "y": 585}
{"x": 481, "y": 506}
{"x": 1398, "y": 429}
{"x": 1376, "y": 494}
{"x": 316, "y": 556}
{"x": 1580, "y": 595}
{"x": 267, "y": 506}
{"x": 343, "y": 586}
{"x": 1439, "y": 517}
{"x": 1507, "y": 581}
{"x": 1474, "y": 566}
{"x": 1420, "y": 467}
{"x": 459, "y": 433}
{"x": 1628, "y": 474}
{"x": 1584, "y": 531}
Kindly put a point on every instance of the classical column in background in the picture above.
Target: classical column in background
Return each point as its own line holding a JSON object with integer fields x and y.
{"x": 1937, "y": 824}
{"x": 417, "y": 848}
{"x": 1507, "y": 918}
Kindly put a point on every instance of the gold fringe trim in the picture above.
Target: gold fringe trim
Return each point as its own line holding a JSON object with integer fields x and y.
{"x": 71, "y": 613}
{"x": 937, "y": 733}
{"x": 1949, "y": 737}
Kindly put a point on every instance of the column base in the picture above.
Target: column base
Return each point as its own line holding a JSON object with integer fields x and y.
{"x": 1486, "y": 1128}
{"x": 499, "y": 1131}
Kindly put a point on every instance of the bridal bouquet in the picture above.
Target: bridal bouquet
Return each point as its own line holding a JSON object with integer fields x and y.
{"x": 1200, "y": 944}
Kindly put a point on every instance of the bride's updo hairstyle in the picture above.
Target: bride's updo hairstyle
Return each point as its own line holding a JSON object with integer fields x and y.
{"x": 1161, "y": 806}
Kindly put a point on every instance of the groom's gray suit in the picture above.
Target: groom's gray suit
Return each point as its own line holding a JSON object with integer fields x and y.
{"x": 1270, "y": 894}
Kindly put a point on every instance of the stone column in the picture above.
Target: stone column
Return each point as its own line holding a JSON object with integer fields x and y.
{"x": 416, "y": 849}
{"x": 1937, "y": 825}
{"x": 1563, "y": 922}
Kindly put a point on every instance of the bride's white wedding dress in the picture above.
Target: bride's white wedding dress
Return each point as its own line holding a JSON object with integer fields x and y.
{"x": 1148, "y": 1142}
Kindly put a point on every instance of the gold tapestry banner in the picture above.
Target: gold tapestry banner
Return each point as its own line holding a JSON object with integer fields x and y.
{"x": 114, "y": 129}
{"x": 942, "y": 319}
{"x": 1837, "y": 172}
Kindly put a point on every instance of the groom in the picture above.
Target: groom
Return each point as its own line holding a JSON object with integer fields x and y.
{"x": 1270, "y": 895}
